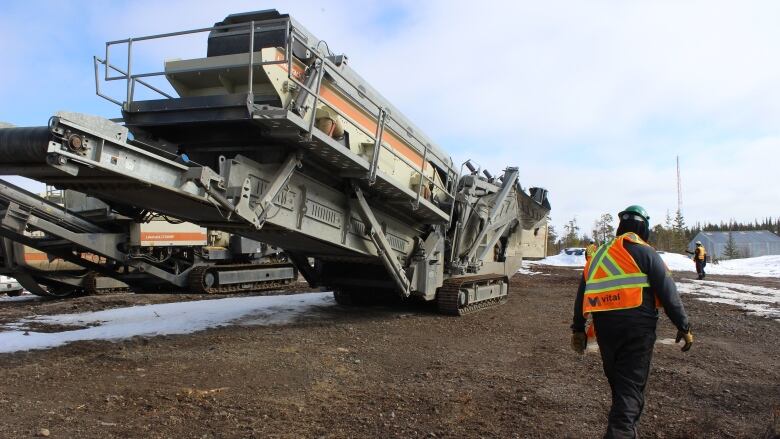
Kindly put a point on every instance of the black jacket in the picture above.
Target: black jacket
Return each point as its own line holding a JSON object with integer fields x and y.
{"x": 661, "y": 285}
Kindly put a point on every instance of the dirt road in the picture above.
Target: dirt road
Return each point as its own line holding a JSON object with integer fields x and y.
{"x": 389, "y": 372}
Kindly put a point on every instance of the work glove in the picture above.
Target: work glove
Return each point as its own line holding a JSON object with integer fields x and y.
{"x": 682, "y": 335}
{"x": 579, "y": 341}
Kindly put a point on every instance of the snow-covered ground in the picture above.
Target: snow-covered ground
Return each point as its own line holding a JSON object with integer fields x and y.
{"x": 561, "y": 260}
{"x": 762, "y": 266}
{"x": 160, "y": 319}
{"x": 761, "y": 301}
{"x": 756, "y": 300}
{"x": 25, "y": 297}
{"x": 525, "y": 269}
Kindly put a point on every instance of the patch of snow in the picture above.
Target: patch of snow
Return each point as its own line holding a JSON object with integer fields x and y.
{"x": 524, "y": 269}
{"x": 762, "y": 266}
{"x": 761, "y": 301}
{"x": 562, "y": 260}
{"x": 160, "y": 319}
{"x": 678, "y": 262}
{"x": 24, "y": 297}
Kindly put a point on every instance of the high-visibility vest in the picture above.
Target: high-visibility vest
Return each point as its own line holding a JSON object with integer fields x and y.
{"x": 701, "y": 253}
{"x": 613, "y": 280}
{"x": 590, "y": 250}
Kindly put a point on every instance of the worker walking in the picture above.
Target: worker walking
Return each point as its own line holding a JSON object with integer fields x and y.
{"x": 700, "y": 258}
{"x": 590, "y": 250}
{"x": 621, "y": 287}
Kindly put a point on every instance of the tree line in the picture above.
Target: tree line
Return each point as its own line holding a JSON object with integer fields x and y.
{"x": 672, "y": 235}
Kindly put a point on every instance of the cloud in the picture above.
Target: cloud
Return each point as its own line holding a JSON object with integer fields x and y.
{"x": 592, "y": 100}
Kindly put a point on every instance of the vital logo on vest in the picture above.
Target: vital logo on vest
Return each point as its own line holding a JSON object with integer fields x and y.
{"x": 594, "y": 301}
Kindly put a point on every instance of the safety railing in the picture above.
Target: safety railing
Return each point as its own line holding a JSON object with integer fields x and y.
{"x": 319, "y": 67}
{"x": 381, "y": 115}
{"x": 136, "y": 78}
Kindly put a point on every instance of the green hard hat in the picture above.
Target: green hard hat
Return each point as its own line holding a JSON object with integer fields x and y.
{"x": 635, "y": 209}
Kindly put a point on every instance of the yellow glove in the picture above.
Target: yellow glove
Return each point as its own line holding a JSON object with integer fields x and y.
{"x": 578, "y": 342}
{"x": 687, "y": 336}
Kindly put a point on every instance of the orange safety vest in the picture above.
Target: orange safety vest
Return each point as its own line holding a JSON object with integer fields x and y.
{"x": 590, "y": 250}
{"x": 701, "y": 253}
{"x": 613, "y": 280}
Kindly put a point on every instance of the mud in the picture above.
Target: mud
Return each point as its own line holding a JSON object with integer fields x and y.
{"x": 389, "y": 371}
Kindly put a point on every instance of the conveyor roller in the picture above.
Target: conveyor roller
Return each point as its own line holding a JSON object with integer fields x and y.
{"x": 24, "y": 145}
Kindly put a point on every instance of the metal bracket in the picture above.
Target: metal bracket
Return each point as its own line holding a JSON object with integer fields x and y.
{"x": 386, "y": 253}
{"x": 380, "y": 129}
{"x": 492, "y": 241}
{"x": 26, "y": 280}
{"x": 256, "y": 215}
{"x": 310, "y": 82}
{"x": 14, "y": 218}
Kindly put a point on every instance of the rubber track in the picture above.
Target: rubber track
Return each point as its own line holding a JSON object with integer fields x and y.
{"x": 91, "y": 289}
{"x": 447, "y": 296}
{"x": 197, "y": 275}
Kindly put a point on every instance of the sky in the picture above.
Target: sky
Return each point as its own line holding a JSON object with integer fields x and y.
{"x": 592, "y": 100}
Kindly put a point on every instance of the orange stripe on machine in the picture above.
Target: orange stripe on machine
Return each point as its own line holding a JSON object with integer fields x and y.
{"x": 366, "y": 122}
{"x": 29, "y": 257}
{"x": 173, "y": 236}
{"x": 369, "y": 124}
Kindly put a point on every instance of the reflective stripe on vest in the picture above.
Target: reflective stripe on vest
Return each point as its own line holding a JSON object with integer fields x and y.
{"x": 613, "y": 280}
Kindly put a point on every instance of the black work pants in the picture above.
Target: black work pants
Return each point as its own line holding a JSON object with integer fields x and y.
{"x": 700, "y": 264}
{"x": 626, "y": 352}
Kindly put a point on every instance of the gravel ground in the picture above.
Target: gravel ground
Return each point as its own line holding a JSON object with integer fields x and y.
{"x": 389, "y": 371}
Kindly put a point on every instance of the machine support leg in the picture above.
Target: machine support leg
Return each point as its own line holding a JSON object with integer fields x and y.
{"x": 26, "y": 280}
{"x": 302, "y": 264}
{"x": 380, "y": 241}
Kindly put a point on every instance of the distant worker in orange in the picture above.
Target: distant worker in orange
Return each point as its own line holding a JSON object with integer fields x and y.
{"x": 590, "y": 250}
{"x": 622, "y": 287}
{"x": 700, "y": 258}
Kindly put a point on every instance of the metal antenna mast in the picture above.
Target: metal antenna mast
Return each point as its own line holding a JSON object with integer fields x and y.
{"x": 679, "y": 187}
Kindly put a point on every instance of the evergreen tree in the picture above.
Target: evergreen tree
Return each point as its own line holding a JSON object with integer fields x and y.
{"x": 552, "y": 238}
{"x": 663, "y": 234}
{"x": 657, "y": 237}
{"x": 731, "y": 251}
{"x": 603, "y": 228}
{"x": 679, "y": 234}
{"x": 571, "y": 238}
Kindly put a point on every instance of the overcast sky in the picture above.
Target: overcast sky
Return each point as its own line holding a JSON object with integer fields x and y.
{"x": 592, "y": 100}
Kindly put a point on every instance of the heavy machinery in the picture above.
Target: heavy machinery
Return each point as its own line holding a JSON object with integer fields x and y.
{"x": 53, "y": 246}
{"x": 272, "y": 137}
{"x": 48, "y": 276}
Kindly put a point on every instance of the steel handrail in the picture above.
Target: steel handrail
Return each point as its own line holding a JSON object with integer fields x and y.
{"x": 325, "y": 64}
{"x": 382, "y": 116}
